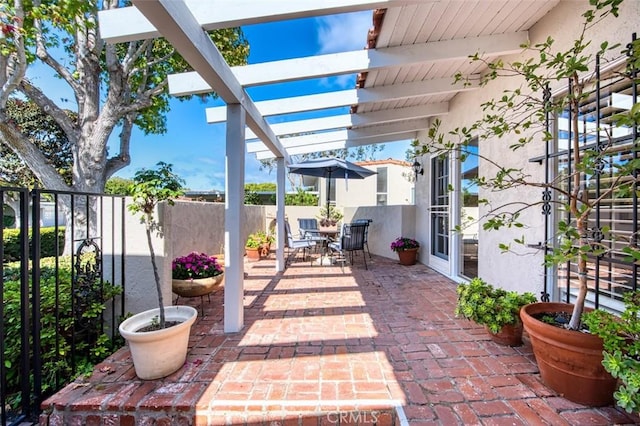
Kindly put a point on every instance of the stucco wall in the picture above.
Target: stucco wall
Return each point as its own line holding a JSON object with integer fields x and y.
{"x": 186, "y": 226}
{"x": 522, "y": 271}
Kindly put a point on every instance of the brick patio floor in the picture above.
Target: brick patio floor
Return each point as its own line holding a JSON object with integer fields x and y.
{"x": 319, "y": 347}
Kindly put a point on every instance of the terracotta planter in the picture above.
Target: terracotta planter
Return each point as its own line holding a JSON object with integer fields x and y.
{"x": 253, "y": 254}
{"x": 265, "y": 249}
{"x": 509, "y": 335}
{"x": 197, "y": 287}
{"x": 158, "y": 353}
{"x": 408, "y": 257}
{"x": 570, "y": 362}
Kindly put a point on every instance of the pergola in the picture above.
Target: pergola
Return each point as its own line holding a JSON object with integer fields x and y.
{"x": 405, "y": 77}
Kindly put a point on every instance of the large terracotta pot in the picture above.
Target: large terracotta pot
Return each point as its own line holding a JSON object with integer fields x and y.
{"x": 158, "y": 353}
{"x": 570, "y": 361}
{"x": 408, "y": 257}
{"x": 197, "y": 287}
{"x": 509, "y": 335}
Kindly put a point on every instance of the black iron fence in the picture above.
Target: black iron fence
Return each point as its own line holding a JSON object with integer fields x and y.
{"x": 63, "y": 280}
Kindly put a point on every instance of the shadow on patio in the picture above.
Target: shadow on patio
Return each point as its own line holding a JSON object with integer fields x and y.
{"x": 378, "y": 346}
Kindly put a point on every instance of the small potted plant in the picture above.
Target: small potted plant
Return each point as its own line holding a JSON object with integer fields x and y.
{"x": 266, "y": 239}
{"x": 407, "y": 249}
{"x": 195, "y": 274}
{"x": 495, "y": 308}
{"x": 329, "y": 217}
{"x": 621, "y": 340}
{"x": 252, "y": 246}
{"x": 158, "y": 338}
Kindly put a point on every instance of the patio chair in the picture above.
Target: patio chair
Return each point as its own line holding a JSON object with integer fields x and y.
{"x": 366, "y": 233}
{"x": 351, "y": 240}
{"x": 293, "y": 246}
{"x": 309, "y": 230}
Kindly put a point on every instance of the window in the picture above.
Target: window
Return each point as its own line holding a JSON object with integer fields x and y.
{"x": 611, "y": 274}
{"x": 469, "y": 213}
{"x": 381, "y": 186}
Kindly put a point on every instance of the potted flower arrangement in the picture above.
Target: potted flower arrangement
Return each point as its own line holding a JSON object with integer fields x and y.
{"x": 195, "y": 274}
{"x": 158, "y": 338}
{"x": 407, "y": 249}
{"x": 329, "y": 217}
{"x": 495, "y": 308}
{"x": 266, "y": 239}
{"x": 252, "y": 246}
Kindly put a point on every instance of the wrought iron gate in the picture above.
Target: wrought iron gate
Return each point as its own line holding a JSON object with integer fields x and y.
{"x": 56, "y": 309}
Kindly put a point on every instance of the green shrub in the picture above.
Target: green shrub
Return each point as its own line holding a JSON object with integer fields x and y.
{"x": 621, "y": 337}
{"x": 11, "y": 241}
{"x": 58, "y": 325}
{"x": 486, "y": 305}
{"x": 300, "y": 198}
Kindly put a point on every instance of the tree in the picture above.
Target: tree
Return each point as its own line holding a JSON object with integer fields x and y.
{"x": 149, "y": 188}
{"x": 45, "y": 134}
{"x": 114, "y": 86}
{"x": 118, "y": 186}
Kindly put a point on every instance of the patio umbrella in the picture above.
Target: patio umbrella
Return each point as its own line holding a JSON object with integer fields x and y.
{"x": 330, "y": 168}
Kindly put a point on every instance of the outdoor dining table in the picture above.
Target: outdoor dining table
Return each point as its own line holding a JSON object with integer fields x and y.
{"x": 328, "y": 234}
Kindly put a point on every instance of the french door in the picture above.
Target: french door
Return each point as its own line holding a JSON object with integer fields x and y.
{"x": 439, "y": 214}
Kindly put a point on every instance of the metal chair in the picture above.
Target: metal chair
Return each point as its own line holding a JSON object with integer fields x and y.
{"x": 366, "y": 233}
{"x": 309, "y": 230}
{"x": 351, "y": 240}
{"x": 294, "y": 246}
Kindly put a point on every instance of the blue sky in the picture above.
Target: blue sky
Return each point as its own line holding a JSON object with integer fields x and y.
{"x": 196, "y": 149}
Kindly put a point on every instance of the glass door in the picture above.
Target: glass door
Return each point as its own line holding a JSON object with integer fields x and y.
{"x": 439, "y": 215}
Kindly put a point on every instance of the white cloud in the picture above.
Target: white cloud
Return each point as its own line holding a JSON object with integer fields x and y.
{"x": 344, "y": 32}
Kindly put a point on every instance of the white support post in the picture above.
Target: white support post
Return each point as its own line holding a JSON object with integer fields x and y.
{"x": 234, "y": 220}
{"x": 280, "y": 231}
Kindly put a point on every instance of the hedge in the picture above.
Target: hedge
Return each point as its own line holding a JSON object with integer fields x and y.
{"x": 59, "y": 326}
{"x": 11, "y": 242}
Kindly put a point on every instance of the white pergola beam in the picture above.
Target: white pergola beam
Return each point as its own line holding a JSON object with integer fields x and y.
{"x": 359, "y": 61}
{"x": 355, "y": 120}
{"x": 129, "y": 24}
{"x": 346, "y": 135}
{"x": 343, "y": 98}
{"x": 307, "y": 149}
{"x": 182, "y": 30}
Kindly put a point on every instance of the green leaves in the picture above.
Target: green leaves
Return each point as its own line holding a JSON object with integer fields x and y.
{"x": 486, "y": 305}
{"x": 152, "y": 186}
{"x": 621, "y": 338}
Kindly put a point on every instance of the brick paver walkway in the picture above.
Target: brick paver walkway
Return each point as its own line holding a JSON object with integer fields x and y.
{"x": 321, "y": 347}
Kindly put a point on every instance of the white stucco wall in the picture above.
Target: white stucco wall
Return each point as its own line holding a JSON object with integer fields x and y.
{"x": 523, "y": 271}
{"x": 186, "y": 226}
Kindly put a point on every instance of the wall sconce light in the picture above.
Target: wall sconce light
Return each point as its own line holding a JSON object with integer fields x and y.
{"x": 417, "y": 169}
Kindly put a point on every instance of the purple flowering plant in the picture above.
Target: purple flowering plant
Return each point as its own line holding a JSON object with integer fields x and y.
{"x": 404, "y": 243}
{"x": 195, "y": 265}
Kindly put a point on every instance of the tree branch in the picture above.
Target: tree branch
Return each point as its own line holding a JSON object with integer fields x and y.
{"x": 51, "y": 109}
{"x": 13, "y": 66}
{"x": 30, "y": 155}
{"x": 43, "y": 54}
{"x": 123, "y": 158}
